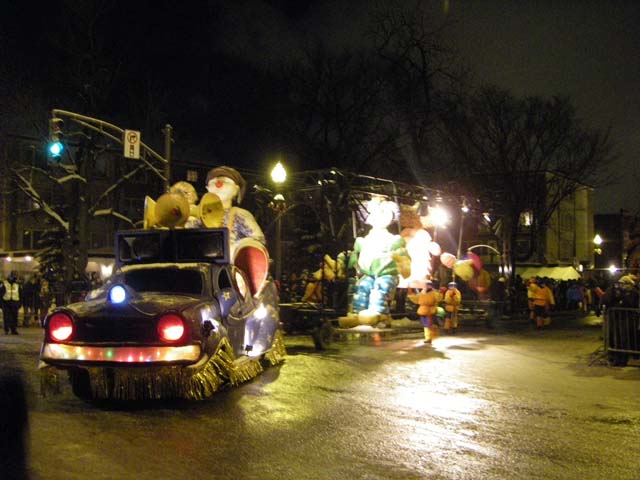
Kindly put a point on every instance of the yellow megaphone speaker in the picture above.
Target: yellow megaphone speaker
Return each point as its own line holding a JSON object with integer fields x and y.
{"x": 149, "y": 218}
{"x": 211, "y": 211}
{"x": 169, "y": 211}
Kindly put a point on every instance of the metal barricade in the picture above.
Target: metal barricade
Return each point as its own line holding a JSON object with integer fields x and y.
{"x": 487, "y": 312}
{"x": 621, "y": 335}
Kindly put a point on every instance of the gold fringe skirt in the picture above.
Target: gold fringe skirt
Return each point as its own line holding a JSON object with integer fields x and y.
{"x": 168, "y": 382}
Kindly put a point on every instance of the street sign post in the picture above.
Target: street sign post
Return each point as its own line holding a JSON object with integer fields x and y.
{"x": 131, "y": 144}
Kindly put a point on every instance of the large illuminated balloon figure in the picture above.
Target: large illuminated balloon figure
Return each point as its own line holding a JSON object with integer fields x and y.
{"x": 378, "y": 258}
{"x": 420, "y": 247}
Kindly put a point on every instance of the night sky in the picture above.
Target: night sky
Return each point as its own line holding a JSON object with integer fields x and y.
{"x": 204, "y": 58}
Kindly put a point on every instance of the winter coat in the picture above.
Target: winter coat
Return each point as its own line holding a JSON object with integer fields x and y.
{"x": 542, "y": 295}
{"x": 452, "y": 299}
{"x": 427, "y": 302}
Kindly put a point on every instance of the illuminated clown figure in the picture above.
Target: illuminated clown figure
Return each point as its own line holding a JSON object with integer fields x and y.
{"x": 229, "y": 185}
{"x": 378, "y": 258}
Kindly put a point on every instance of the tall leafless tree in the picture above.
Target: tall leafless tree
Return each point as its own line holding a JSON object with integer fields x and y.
{"x": 421, "y": 74}
{"x": 524, "y": 154}
{"x": 68, "y": 195}
{"x": 335, "y": 112}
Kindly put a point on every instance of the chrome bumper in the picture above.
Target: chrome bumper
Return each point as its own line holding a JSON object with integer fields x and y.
{"x": 53, "y": 352}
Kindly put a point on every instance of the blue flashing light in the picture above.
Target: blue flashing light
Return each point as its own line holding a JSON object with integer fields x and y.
{"x": 117, "y": 294}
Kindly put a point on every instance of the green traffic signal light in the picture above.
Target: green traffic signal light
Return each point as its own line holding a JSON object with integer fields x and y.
{"x": 55, "y": 133}
{"x": 56, "y": 148}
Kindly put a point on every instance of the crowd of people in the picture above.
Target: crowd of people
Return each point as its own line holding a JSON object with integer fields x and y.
{"x": 33, "y": 295}
{"x": 29, "y": 298}
{"x": 578, "y": 295}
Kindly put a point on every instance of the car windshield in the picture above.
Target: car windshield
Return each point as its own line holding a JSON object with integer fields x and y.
{"x": 165, "y": 280}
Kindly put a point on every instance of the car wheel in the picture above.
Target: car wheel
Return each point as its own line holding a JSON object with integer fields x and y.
{"x": 80, "y": 384}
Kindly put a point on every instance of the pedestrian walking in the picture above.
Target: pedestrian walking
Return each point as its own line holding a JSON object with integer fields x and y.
{"x": 543, "y": 301}
{"x": 498, "y": 301}
{"x": 31, "y": 299}
{"x": 11, "y": 294}
{"x": 45, "y": 299}
{"x": 27, "y": 302}
{"x": 427, "y": 301}
{"x": 452, "y": 300}
{"x": 530, "y": 299}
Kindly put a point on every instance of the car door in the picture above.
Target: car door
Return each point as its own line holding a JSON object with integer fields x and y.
{"x": 236, "y": 304}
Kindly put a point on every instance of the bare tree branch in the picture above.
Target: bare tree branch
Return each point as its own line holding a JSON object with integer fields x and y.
{"x": 113, "y": 213}
{"x": 26, "y": 187}
{"x": 114, "y": 187}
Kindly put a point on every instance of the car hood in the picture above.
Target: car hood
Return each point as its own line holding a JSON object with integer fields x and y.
{"x": 148, "y": 304}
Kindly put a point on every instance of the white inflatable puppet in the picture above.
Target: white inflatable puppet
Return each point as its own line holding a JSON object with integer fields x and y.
{"x": 229, "y": 185}
{"x": 378, "y": 257}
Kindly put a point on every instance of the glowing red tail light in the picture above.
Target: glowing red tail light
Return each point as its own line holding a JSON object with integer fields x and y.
{"x": 171, "y": 327}
{"x": 60, "y": 327}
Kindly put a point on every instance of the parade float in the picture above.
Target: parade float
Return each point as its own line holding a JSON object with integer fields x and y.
{"x": 380, "y": 234}
{"x": 188, "y": 311}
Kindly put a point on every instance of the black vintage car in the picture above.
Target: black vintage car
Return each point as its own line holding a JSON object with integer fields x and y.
{"x": 177, "y": 320}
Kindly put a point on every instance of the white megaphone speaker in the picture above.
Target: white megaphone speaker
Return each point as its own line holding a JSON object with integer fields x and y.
{"x": 169, "y": 211}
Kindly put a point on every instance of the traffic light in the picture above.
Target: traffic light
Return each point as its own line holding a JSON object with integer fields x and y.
{"x": 55, "y": 147}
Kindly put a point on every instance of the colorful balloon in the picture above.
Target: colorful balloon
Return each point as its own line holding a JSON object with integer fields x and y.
{"x": 464, "y": 269}
{"x": 448, "y": 260}
{"x": 477, "y": 262}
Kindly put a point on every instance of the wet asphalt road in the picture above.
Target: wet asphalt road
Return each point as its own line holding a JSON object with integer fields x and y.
{"x": 517, "y": 404}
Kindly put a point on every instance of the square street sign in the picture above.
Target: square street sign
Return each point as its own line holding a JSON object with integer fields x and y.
{"x": 131, "y": 144}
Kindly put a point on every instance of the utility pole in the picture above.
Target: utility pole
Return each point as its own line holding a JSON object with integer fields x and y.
{"x": 167, "y": 155}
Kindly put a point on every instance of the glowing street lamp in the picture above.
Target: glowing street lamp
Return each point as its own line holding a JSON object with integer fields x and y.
{"x": 597, "y": 244}
{"x": 278, "y": 174}
{"x": 439, "y": 218}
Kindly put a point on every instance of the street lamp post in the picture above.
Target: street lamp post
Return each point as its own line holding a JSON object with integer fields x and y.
{"x": 463, "y": 211}
{"x": 278, "y": 175}
{"x": 597, "y": 250}
{"x": 439, "y": 218}
{"x": 168, "y": 129}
